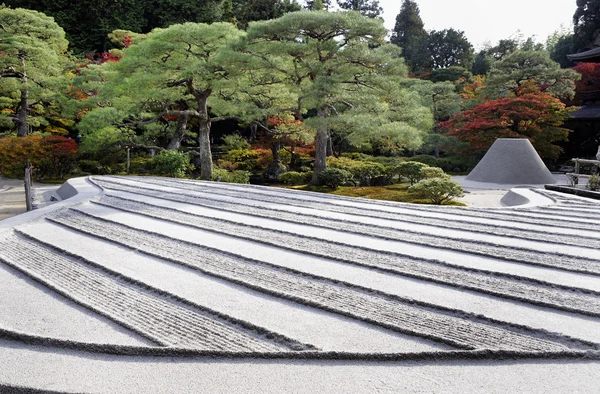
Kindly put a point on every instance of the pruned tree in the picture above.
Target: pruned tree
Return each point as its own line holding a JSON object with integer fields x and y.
{"x": 32, "y": 61}
{"x": 519, "y": 69}
{"x": 336, "y": 63}
{"x": 175, "y": 72}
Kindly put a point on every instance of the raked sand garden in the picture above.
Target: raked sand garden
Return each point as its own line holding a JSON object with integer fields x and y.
{"x": 159, "y": 285}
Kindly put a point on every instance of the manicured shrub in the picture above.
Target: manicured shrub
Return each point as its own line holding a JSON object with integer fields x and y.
{"x": 244, "y": 159}
{"x": 141, "y": 165}
{"x": 433, "y": 172}
{"x": 172, "y": 163}
{"x": 222, "y": 175}
{"x": 334, "y": 177}
{"x": 91, "y": 166}
{"x": 235, "y": 142}
{"x": 425, "y": 159}
{"x": 437, "y": 190}
{"x": 410, "y": 170}
{"x": 363, "y": 171}
{"x": 295, "y": 178}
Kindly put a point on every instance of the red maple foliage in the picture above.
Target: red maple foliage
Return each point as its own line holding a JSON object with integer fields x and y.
{"x": 590, "y": 77}
{"x": 536, "y": 116}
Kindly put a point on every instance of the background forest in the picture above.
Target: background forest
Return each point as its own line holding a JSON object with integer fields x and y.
{"x": 274, "y": 91}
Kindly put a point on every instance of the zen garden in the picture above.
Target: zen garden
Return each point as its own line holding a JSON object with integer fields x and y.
{"x": 310, "y": 99}
{"x": 273, "y": 196}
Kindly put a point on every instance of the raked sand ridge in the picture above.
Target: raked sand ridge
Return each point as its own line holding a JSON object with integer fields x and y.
{"x": 156, "y": 285}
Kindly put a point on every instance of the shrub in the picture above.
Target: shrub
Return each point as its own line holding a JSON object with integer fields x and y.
{"x": 243, "y": 158}
{"x": 141, "y": 165}
{"x": 334, "y": 177}
{"x": 425, "y": 159}
{"x": 235, "y": 142}
{"x": 52, "y": 156}
{"x": 295, "y": 178}
{"x": 173, "y": 163}
{"x": 222, "y": 175}
{"x": 91, "y": 166}
{"x": 410, "y": 170}
{"x": 363, "y": 171}
{"x": 594, "y": 183}
{"x": 433, "y": 172}
{"x": 437, "y": 190}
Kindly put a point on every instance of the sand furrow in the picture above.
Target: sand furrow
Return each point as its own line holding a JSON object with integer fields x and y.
{"x": 451, "y": 327}
{"x": 152, "y": 316}
{"x": 521, "y": 255}
{"x": 505, "y": 286}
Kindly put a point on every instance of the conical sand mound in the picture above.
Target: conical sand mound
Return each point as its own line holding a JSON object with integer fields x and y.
{"x": 512, "y": 161}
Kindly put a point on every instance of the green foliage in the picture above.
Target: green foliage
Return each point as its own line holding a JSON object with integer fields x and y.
{"x": 243, "y": 158}
{"x": 235, "y": 142}
{"x": 172, "y": 163}
{"x": 141, "y": 165}
{"x": 450, "y": 47}
{"x": 586, "y": 21}
{"x": 437, "y": 190}
{"x": 511, "y": 75}
{"x": 295, "y": 178}
{"x": 425, "y": 159}
{"x": 410, "y": 35}
{"x": 433, "y": 172}
{"x": 410, "y": 170}
{"x": 33, "y": 57}
{"x": 247, "y": 11}
{"x": 368, "y": 8}
{"x": 363, "y": 171}
{"x": 594, "y": 183}
{"x": 222, "y": 175}
{"x": 334, "y": 177}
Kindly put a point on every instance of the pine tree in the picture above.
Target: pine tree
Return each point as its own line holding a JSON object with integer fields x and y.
{"x": 587, "y": 24}
{"x": 318, "y": 5}
{"x": 409, "y": 34}
{"x": 228, "y": 14}
{"x": 369, "y": 8}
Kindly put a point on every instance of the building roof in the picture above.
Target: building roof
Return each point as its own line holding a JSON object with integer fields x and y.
{"x": 591, "y": 56}
{"x": 587, "y": 112}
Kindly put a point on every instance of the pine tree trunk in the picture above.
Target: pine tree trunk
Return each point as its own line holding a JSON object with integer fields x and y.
{"x": 329, "y": 146}
{"x": 176, "y": 140}
{"x": 321, "y": 150}
{"x": 21, "y": 119}
{"x": 204, "y": 137}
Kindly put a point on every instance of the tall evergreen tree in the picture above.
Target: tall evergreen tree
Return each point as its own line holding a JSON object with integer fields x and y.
{"x": 586, "y": 21}
{"x": 369, "y": 8}
{"x": 409, "y": 34}
{"x": 450, "y": 47}
{"x": 318, "y": 5}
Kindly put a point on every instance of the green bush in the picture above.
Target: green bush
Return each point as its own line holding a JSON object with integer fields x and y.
{"x": 410, "y": 170}
{"x": 433, "y": 172}
{"x": 141, "y": 165}
{"x": 92, "y": 166}
{"x": 425, "y": 159}
{"x": 295, "y": 178}
{"x": 437, "y": 190}
{"x": 334, "y": 177}
{"x": 594, "y": 183}
{"x": 222, "y": 175}
{"x": 244, "y": 159}
{"x": 172, "y": 163}
{"x": 235, "y": 142}
{"x": 363, "y": 171}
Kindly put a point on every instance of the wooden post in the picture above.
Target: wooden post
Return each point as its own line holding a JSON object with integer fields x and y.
{"x": 128, "y": 159}
{"x": 28, "y": 183}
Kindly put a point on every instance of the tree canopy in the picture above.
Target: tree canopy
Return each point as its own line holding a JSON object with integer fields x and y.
{"x": 410, "y": 35}
{"x": 32, "y": 58}
{"x": 337, "y": 63}
{"x": 450, "y": 47}
{"x": 586, "y": 21}
{"x": 368, "y": 8}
